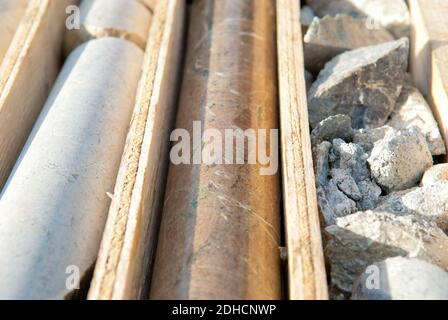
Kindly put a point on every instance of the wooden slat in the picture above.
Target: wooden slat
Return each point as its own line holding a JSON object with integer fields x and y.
{"x": 27, "y": 75}
{"x": 438, "y": 91}
{"x": 306, "y": 269}
{"x": 122, "y": 269}
{"x": 429, "y": 30}
{"x": 429, "y": 54}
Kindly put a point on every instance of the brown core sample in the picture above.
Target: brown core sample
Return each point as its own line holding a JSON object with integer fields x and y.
{"x": 220, "y": 228}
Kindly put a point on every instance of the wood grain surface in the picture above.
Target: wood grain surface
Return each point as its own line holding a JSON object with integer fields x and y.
{"x": 306, "y": 269}
{"x": 124, "y": 263}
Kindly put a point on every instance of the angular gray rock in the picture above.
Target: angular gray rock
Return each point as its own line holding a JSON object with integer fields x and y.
{"x": 363, "y": 84}
{"x": 402, "y": 279}
{"x": 367, "y": 138}
{"x": 338, "y": 126}
{"x": 321, "y": 165}
{"x": 333, "y": 203}
{"x": 349, "y": 162}
{"x": 346, "y": 184}
{"x": 350, "y": 157}
{"x": 435, "y": 174}
{"x": 361, "y": 239}
{"x": 428, "y": 202}
{"x": 412, "y": 110}
{"x": 307, "y": 15}
{"x": 371, "y": 193}
{"x": 391, "y": 14}
{"x": 399, "y": 160}
{"x": 330, "y": 36}
{"x": 343, "y": 181}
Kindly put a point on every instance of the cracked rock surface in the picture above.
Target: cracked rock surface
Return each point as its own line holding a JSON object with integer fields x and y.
{"x": 402, "y": 279}
{"x": 364, "y": 83}
{"x": 359, "y": 240}
{"x": 330, "y": 36}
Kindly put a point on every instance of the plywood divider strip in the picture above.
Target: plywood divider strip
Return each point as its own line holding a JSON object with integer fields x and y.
{"x": 439, "y": 88}
{"x": 306, "y": 268}
{"x": 429, "y": 55}
{"x": 126, "y": 251}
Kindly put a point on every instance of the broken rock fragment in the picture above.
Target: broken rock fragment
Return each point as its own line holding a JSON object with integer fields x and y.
{"x": 359, "y": 240}
{"x": 370, "y": 192}
{"x": 334, "y": 203}
{"x": 428, "y": 202}
{"x": 306, "y": 15}
{"x": 349, "y": 163}
{"x": 402, "y": 279}
{"x": 321, "y": 165}
{"x": 399, "y": 160}
{"x": 364, "y": 84}
{"x": 344, "y": 185}
{"x": 350, "y": 157}
{"x": 367, "y": 138}
{"x": 330, "y": 36}
{"x": 391, "y": 14}
{"x": 366, "y": 193}
{"x": 437, "y": 173}
{"x": 338, "y": 126}
{"x": 412, "y": 110}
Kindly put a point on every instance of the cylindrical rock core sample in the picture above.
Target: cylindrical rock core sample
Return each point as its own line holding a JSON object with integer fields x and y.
{"x": 54, "y": 206}
{"x": 220, "y": 229}
{"x": 125, "y": 19}
{"x": 11, "y": 13}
